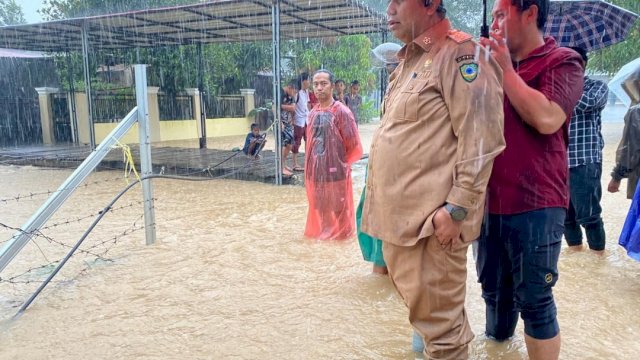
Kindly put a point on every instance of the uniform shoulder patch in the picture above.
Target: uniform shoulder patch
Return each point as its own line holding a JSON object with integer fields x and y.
{"x": 459, "y": 36}
{"x": 469, "y": 71}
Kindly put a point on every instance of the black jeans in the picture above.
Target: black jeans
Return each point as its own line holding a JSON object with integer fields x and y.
{"x": 585, "y": 193}
{"x": 518, "y": 266}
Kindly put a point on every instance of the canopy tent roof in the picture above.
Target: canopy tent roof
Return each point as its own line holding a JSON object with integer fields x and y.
{"x": 210, "y": 22}
{"x": 21, "y": 54}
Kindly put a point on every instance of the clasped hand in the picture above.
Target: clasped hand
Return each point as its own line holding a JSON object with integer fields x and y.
{"x": 446, "y": 229}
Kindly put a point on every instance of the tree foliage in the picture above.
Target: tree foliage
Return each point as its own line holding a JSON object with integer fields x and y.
{"x": 64, "y": 9}
{"x": 11, "y": 13}
{"x": 611, "y": 59}
{"x": 465, "y": 15}
{"x": 347, "y": 57}
{"x": 227, "y": 66}
{"x": 171, "y": 68}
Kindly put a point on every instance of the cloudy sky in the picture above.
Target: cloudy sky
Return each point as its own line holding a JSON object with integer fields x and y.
{"x": 30, "y": 8}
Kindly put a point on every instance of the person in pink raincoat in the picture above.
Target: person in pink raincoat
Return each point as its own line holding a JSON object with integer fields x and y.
{"x": 333, "y": 144}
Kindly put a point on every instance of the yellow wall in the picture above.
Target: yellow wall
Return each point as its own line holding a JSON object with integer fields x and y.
{"x": 103, "y": 129}
{"x": 82, "y": 113}
{"x": 188, "y": 129}
{"x": 182, "y": 129}
{"x": 178, "y": 130}
{"x": 228, "y": 126}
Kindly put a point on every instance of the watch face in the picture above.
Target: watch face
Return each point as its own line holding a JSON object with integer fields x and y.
{"x": 458, "y": 214}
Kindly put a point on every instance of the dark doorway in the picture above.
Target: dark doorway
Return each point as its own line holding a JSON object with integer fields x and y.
{"x": 61, "y": 119}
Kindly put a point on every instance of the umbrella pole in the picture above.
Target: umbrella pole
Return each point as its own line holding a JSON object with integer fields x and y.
{"x": 484, "y": 29}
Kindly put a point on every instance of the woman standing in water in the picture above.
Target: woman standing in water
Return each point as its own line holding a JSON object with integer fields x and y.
{"x": 384, "y": 56}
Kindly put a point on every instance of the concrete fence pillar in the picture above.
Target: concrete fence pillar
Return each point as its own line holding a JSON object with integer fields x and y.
{"x": 46, "y": 114}
{"x": 197, "y": 107}
{"x": 154, "y": 114}
{"x": 82, "y": 111}
{"x": 249, "y": 100}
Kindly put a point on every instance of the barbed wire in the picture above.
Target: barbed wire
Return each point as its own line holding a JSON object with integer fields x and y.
{"x": 111, "y": 241}
{"x": 15, "y": 279}
{"x": 51, "y": 192}
{"x": 207, "y": 171}
{"x": 38, "y": 234}
{"x": 18, "y": 279}
{"x": 128, "y": 231}
{"x": 96, "y": 254}
{"x": 70, "y": 221}
{"x": 115, "y": 209}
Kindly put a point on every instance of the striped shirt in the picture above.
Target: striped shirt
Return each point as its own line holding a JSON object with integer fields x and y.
{"x": 585, "y": 139}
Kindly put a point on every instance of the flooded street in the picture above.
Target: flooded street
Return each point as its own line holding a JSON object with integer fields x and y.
{"x": 231, "y": 277}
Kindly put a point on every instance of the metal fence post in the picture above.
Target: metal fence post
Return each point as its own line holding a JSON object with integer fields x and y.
{"x": 275, "y": 15}
{"x": 145, "y": 152}
{"x": 87, "y": 81}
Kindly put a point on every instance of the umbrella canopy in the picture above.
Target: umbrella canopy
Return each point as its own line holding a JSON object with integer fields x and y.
{"x": 588, "y": 24}
{"x": 629, "y": 73}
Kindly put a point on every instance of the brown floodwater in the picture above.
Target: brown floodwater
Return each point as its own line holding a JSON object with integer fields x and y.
{"x": 231, "y": 277}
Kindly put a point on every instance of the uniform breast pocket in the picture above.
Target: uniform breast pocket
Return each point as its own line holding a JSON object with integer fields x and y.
{"x": 413, "y": 97}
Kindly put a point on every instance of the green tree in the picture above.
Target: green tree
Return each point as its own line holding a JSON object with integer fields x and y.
{"x": 228, "y": 67}
{"x": 64, "y": 9}
{"x": 11, "y": 13}
{"x": 347, "y": 57}
{"x": 465, "y": 15}
{"x": 172, "y": 68}
{"x": 611, "y": 59}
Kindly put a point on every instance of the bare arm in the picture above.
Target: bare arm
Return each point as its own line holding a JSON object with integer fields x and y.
{"x": 537, "y": 107}
{"x": 289, "y": 108}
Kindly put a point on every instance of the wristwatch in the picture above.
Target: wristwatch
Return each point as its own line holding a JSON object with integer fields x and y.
{"x": 457, "y": 213}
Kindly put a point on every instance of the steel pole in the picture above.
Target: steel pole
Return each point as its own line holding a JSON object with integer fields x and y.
{"x": 203, "y": 112}
{"x": 87, "y": 83}
{"x": 275, "y": 14}
{"x": 72, "y": 99}
{"x": 142, "y": 100}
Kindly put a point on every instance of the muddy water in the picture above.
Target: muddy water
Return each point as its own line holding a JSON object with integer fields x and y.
{"x": 232, "y": 278}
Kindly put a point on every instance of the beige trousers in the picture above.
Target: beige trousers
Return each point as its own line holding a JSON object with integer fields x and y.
{"x": 432, "y": 283}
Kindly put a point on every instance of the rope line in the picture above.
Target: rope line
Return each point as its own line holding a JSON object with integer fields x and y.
{"x": 129, "y": 164}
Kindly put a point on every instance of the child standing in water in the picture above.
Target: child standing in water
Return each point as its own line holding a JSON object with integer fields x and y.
{"x": 340, "y": 87}
{"x": 354, "y": 100}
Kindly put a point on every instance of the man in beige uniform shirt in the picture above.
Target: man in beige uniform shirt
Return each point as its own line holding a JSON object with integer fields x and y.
{"x": 429, "y": 165}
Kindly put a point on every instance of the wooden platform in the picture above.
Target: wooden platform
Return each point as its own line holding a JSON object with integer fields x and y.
{"x": 168, "y": 160}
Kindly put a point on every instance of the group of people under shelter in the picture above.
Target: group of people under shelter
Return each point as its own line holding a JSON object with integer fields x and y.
{"x": 494, "y": 142}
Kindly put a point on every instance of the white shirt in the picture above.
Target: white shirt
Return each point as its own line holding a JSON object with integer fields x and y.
{"x": 302, "y": 111}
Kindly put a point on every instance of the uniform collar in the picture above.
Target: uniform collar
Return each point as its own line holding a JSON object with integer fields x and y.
{"x": 427, "y": 39}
